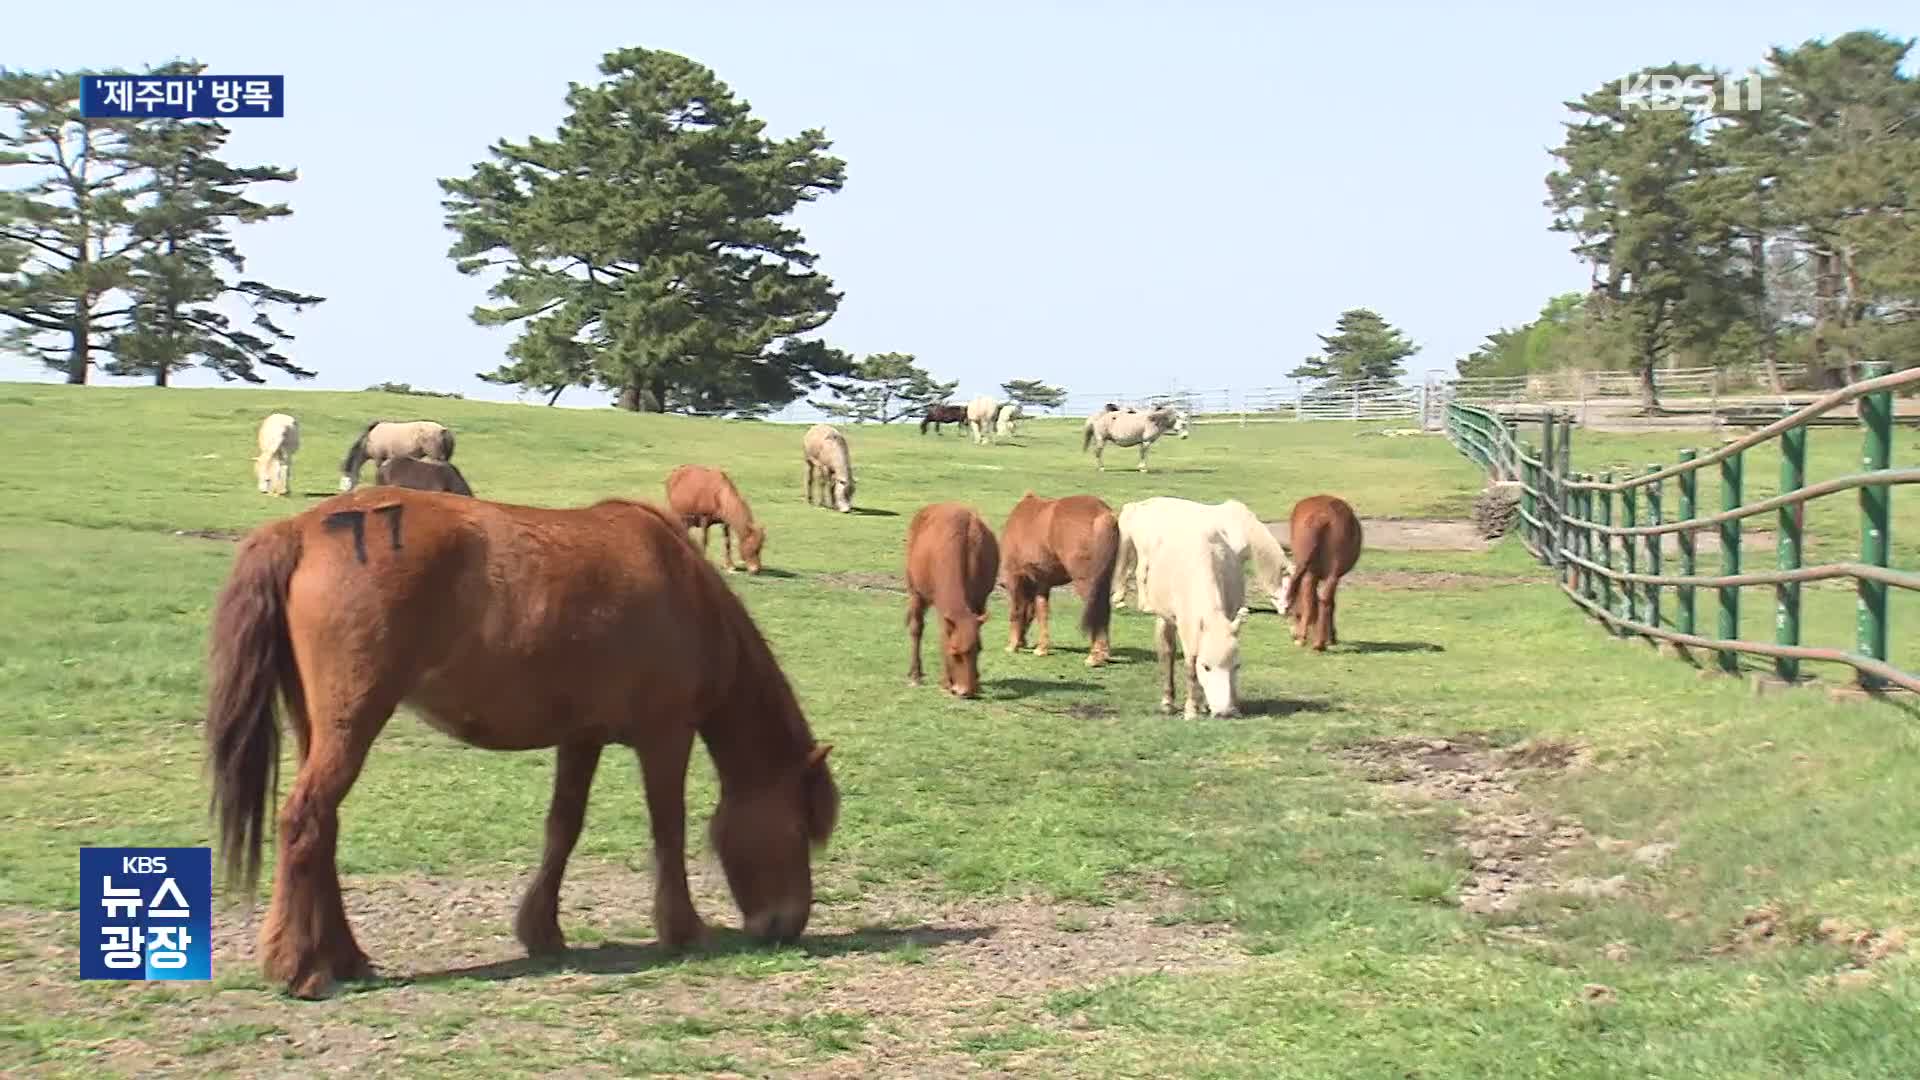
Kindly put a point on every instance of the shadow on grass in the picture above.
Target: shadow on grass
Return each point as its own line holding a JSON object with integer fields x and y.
{"x": 1017, "y": 688}
{"x": 872, "y": 511}
{"x": 1388, "y": 647}
{"x": 626, "y": 958}
{"x": 1283, "y": 706}
{"x": 769, "y": 572}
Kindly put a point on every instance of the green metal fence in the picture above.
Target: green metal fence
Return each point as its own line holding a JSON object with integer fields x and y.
{"x": 1604, "y": 536}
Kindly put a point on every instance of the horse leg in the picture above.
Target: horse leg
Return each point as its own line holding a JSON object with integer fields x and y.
{"x": 1304, "y": 602}
{"x": 537, "y": 925}
{"x": 664, "y": 767}
{"x": 1045, "y": 644}
{"x": 1163, "y": 645}
{"x": 1323, "y": 635}
{"x": 1099, "y": 448}
{"x": 1019, "y": 614}
{"x": 726, "y": 546}
{"x": 809, "y": 483}
{"x": 305, "y": 941}
{"x": 1144, "y": 443}
{"x": 916, "y": 623}
{"x": 1193, "y": 686}
{"x": 706, "y": 539}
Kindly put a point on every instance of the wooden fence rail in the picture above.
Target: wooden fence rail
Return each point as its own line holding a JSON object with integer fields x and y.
{"x": 1614, "y": 565}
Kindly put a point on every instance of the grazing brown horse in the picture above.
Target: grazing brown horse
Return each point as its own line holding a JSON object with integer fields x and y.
{"x": 1326, "y": 544}
{"x": 508, "y": 628}
{"x": 421, "y": 475}
{"x": 705, "y": 497}
{"x": 951, "y": 561}
{"x": 1047, "y": 543}
{"x": 942, "y": 414}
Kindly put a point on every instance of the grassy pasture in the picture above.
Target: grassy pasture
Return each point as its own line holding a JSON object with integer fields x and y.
{"x": 1052, "y": 880}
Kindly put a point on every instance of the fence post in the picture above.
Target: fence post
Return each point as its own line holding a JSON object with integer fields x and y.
{"x": 1630, "y": 552}
{"x": 1689, "y": 488}
{"x": 1786, "y": 597}
{"x": 1654, "y": 495}
{"x": 1606, "y": 546}
{"x": 1585, "y": 502}
{"x": 1550, "y": 525}
{"x": 1876, "y": 416}
{"x": 1563, "y": 470}
{"x": 1730, "y": 559}
{"x": 1528, "y": 504}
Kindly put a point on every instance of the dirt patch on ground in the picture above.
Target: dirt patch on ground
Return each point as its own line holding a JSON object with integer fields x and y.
{"x": 889, "y": 982}
{"x": 1428, "y": 579}
{"x": 863, "y": 579}
{"x": 1510, "y": 846}
{"x": 1407, "y": 534}
{"x": 209, "y": 534}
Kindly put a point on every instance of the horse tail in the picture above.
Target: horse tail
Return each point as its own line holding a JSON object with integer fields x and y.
{"x": 1098, "y": 613}
{"x": 444, "y": 440}
{"x": 250, "y": 663}
{"x": 1086, "y": 436}
{"x": 924, "y": 421}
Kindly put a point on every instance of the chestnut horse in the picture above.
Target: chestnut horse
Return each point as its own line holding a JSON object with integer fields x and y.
{"x": 938, "y": 415}
{"x": 508, "y": 628}
{"x": 951, "y": 560}
{"x": 421, "y": 474}
{"x": 704, "y": 497}
{"x": 1326, "y": 544}
{"x": 1047, "y": 543}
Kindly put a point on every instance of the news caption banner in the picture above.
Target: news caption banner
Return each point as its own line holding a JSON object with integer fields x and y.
{"x": 182, "y": 97}
{"x": 146, "y": 913}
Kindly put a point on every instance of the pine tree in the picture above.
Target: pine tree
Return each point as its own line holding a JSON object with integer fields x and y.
{"x": 1363, "y": 346}
{"x": 643, "y": 246}
{"x": 883, "y": 388}
{"x": 1032, "y": 393}
{"x": 64, "y": 248}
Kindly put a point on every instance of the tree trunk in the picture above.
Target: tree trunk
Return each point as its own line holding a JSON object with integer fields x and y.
{"x": 80, "y": 356}
{"x": 649, "y": 398}
{"x": 1769, "y": 341}
{"x": 1823, "y": 298}
{"x": 555, "y": 396}
{"x": 630, "y": 398}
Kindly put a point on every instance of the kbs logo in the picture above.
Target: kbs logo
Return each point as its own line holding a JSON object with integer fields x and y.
{"x": 146, "y": 913}
{"x": 1664, "y": 92}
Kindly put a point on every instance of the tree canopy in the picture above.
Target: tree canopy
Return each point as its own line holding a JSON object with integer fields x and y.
{"x": 1362, "y": 346}
{"x": 1032, "y": 393}
{"x": 643, "y": 248}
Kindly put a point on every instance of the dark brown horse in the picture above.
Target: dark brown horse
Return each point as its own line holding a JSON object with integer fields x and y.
{"x": 942, "y": 414}
{"x": 421, "y": 475}
{"x": 1047, "y": 543}
{"x": 705, "y": 497}
{"x": 951, "y": 560}
{"x": 508, "y": 628}
{"x": 1326, "y": 543}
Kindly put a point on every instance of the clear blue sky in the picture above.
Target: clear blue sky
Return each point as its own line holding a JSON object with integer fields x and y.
{"x": 1111, "y": 197}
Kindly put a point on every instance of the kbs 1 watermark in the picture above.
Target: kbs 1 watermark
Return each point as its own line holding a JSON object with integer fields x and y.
{"x": 146, "y": 913}
{"x": 182, "y": 97}
{"x": 1723, "y": 93}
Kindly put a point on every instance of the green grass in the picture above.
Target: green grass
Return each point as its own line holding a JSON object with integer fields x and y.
{"x": 1060, "y": 782}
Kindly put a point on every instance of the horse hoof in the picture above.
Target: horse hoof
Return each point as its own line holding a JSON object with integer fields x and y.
{"x": 913, "y": 680}
{"x": 1011, "y": 649}
{"x": 1167, "y": 706}
{"x": 1041, "y": 650}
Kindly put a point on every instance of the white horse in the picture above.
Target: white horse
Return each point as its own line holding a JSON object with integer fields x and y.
{"x": 1144, "y": 523}
{"x": 1193, "y": 581}
{"x": 828, "y": 461}
{"x": 279, "y": 438}
{"x": 385, "y": 439}
{"x": 1126, "y": 427}
{"x": 980, "y": 414}
{"x": 1003, "y": 422}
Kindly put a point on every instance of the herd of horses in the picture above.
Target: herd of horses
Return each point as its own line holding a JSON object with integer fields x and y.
{"x": 520, "y": 628}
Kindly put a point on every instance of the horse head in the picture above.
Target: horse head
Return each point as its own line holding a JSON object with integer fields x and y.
{"x": 752, "y": 539}
{"x": 765, "y": 839}
{"x": 960, "y": 646}
{"x": 1217, "y": 663}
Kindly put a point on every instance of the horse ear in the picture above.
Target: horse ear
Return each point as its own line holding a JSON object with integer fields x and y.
{"x": 818, "y": 755}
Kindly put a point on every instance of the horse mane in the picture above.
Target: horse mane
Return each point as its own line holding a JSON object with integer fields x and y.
{"x": 768, "y": 690}
{"x": 357, "y": 453}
